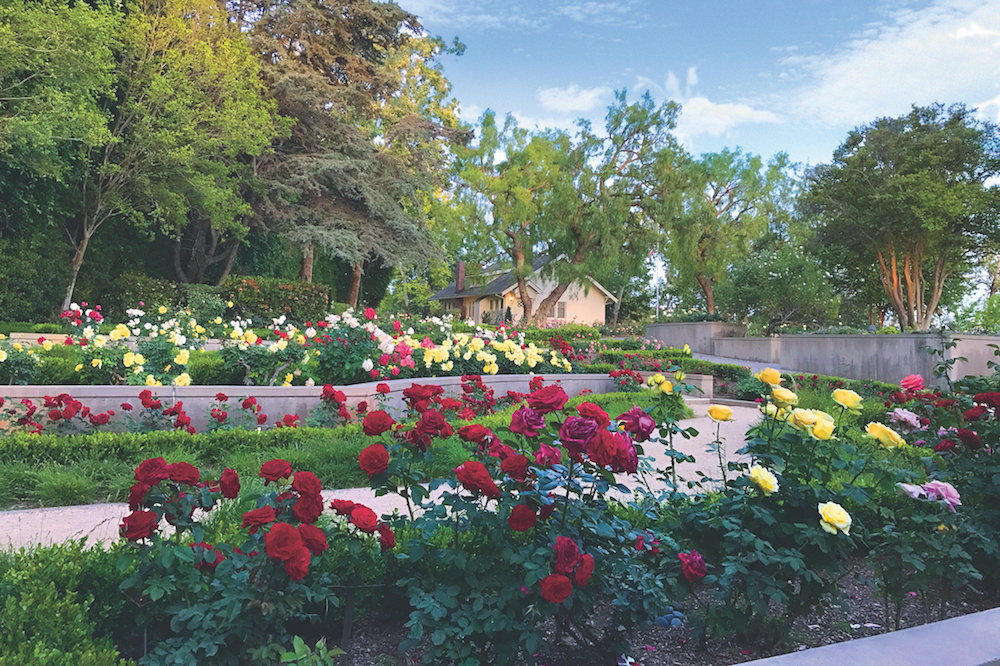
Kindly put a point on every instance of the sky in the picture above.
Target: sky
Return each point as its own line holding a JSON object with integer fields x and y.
{"x": 765, "y": 76}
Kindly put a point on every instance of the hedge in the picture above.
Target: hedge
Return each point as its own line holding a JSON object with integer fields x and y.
{"x": 261, "y": 299}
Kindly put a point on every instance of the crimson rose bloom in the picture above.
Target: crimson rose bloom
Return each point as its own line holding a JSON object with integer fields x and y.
{"x": 152, "y": 471}
{"x": 692, "y": 565}
{"x": 138, "y": 525}
{"x": 210, "y": 558}
{"x": 387, "y": 537}
{"x": 969, "y": 438}
{"x": 364, "y": 518}
{"x": 183, "y": 472}
{"x": 526, "y": 421}
{"x": 258, "y": 518}
{"x": 275, "y": 469}
{"x": 548, "y": 399}
{"x": 584, "y": 571}
{"x": 419, "y": 393}
{"x": 602, "y": 448}
{"x": 522, "y": 518}
{"x": 135, "y": 495}
{"x": 944, "y": 445}
{"x": 433, "y": 422}
{"x": 297, "y": 565}
{"x": 374, "y": 459}
{"x": 556, "y": 588}
{"x": 377, "y": 422}
{"x": 229, "y": 484}
{"x": 976, "y": 413}
{"x": 567, "y": 555}
{"x": 282, "y": 541}
{"x": 342, "y": 506}
{"x": 474, "y": 433}
{"x": 474, "y": 476}
{"x": 575, "y": 434}
{"x": 638, "y": 423}
{"x": 589, "y": 410}
{"x": 547, "y": 455}
{"x": 314, "y": 538}
{"x": 516, "y": 466}
{"x": 308, "y": 508}
{"x": 383, "y": 388}
{"x": 991, "y": 399}
{"x": 626, "y": 458}
{"x": 307, "y": 483}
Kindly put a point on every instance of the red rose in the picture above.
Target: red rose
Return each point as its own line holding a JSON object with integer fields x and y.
{"x": 474, "y": 476}
{"x": 990, "y": 398}
{"x": 387, "y": 537}
{"x": 602, "y": 448}
{"x": 136, "y": 494}
{"x": 282, "y": 541}
{"x": 308, "y": 508}
{"x": 152, "y": 471}
{"x": 138, "y": 525}
{"x": 362, "y": 407}
{"x": 306, "y": 483}
{"x": 547, "y": 455}
{"x": 221, "y": 397}
{"x": 419, "y": 395}
{"x": 584, "y": 571}
{"x": 185, "y": 473}
{"x": 549, "y": 399}
{"x": 516, "y": 466}
{"x": 210, "y": 558}
{"x": 258, "y": 518}
{"x": 383, "y": 388}
{"x": 314, "y": 538}
{"x": 589, "y": 410}
{"x": 376, "y": 423}
{"x": 944, "y": 445}
{"x": 364, "y": 518}
{"x": 969, "y": 438}
{"x": 474, "y": 433}
{"x": 575, "y": 433}
{"x": 297, "y": 564}
{"x": 556, "y": 588}
{"x": 522, "y": 518}
{"x": 692, "y": 565}
{"x": 229, "y": 484}
{"x": 249, "y": 403}
{"x": 526, "y": 421}
{"x": 342, "y": 506}
{"x": 275, "y": 469}
{"x": 976, "y": 413}
{"x": 433, "y": 423}
{"x": 567, "y": 555}
{"x": 373, "y": 459}
{"x": 626, "y": 458}
{"x": 262, "y": 419}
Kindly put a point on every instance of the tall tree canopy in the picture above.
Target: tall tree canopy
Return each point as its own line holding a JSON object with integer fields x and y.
{"x": 908, "y": 195}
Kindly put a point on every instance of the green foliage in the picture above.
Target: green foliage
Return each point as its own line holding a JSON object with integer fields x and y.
{"x": 31, "y": 279}
{"x": 210, "y": 369}
{"x": 569, "y": 332}
{"x": 596, "y": 368}
{"x": 981, "y": 316}
{"x": 133, "y": 288}
{"x": 264, "y": 299}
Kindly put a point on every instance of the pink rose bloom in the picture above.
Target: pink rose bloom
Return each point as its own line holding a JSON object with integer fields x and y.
{"x": 912, "y": 490}
{"x": 945, "y": 492}
{"x": 369, "y": 313}
{"x": 912, "y": 382}
{"x": 905, "y": 418}
{"x": 547, "y": 455}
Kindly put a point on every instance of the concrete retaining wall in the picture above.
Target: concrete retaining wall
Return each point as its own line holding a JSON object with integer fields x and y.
{"x": 765, "y": 350}
{"x": 698, "y": 335}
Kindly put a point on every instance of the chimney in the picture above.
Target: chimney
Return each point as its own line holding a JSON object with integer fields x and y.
{"x": 460, "y": 276}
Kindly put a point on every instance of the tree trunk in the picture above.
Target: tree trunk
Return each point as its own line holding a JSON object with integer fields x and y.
{"x": 995, "y": 275}
{"x": 74, "y": 269}
{"x": 517, "y": 253}
{"x": 306, "y": 273}
{"x": 354, "y": 288}
{"x": 706, "y": 287}
{"x": 618, "y": 307}
{"x": 545, "y": 307}
{"x": 230, "y": 260}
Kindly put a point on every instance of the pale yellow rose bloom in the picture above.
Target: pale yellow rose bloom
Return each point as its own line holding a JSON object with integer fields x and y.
{"x": 182, "y": 358}
{"x": 18, "y": 346}
{"x": 162, "y": 309}
{"x": 803, "y": 419}
{"x": 783, "y": 397}
{"x": 96, "y": 363}
{"x": 823, "y": 430}
{"x": 47, "y": 346}
{"x": 183, "y": 379}
{"x": 720, "y": 413}
{"x": 686, "y": 348}
{"x": 150, "y": 380}
{"x": 3, "y": 356}
{"x": 679, "y": 375}
{"x": 833, "y": 517}
{"x": 657, "y": 379}
{"x": 769, "y": 409}
{"x": 763, "y": 479}
{"x": 769, "y": 376}
{"x": 79, "y": 367}
{"x": 886, "y": 436}
{"x": 847, "y": 399}
{"x": 666, "y": 388}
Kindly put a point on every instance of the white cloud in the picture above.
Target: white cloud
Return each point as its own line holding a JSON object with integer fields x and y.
{"x": 574, "y": 99}
{"x": 944, "y": 52}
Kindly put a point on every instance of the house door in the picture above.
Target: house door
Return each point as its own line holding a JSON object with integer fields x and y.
{"x": 475, "y": 313}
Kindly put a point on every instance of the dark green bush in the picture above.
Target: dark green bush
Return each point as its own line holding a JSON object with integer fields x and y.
{"x": 134, "y": 288}
{"x": 32, "y": 278}
{"x": 262, "y": 299}
{"x": 209, "y": 368}
{"x": 596, "y": 368}
{"x": 204, "y": 301}
{"x": 569, "y": 332}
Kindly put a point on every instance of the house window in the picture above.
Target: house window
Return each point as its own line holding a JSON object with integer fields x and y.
{"x": 561, "y": 310}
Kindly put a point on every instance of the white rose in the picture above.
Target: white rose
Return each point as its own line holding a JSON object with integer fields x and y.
{"x": 310, "y": 332}
{"x": 368, "y": 364}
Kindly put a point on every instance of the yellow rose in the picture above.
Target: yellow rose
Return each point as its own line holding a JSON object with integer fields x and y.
{"x": 769, "y": 409}
{"x": 150, "y": 380}
{"x": 18, "y": 346}
{"x": 96, "y": 363}
{"x": 832, "y": 517}
{"x": 666, "y": 388}
{"x": 686, "y": 349}
{"x": 847, "y": 399}
{"x": 3, "y": 356}
{"x": 823, "y": 430}
{"x": 679, "y": 375}
{"x": 783, "y": 397}
{"x": 763, "y": 479}
{"x": 182, "y": 357}
{"x": 886, "y": 436}
{"x": 128, "y": 359}
{"x": 657, "y": 379}
{"x": 769, "y": 376}
{"x": 183, "y": 379}
{"x": 720, "y": 413}
{"x": 803, "y": 419}
{"x": 47, "y": 346}
{"x": 229, "y": 304}
{"x": 162, "y": 309}
{"x": 79, "y": 367}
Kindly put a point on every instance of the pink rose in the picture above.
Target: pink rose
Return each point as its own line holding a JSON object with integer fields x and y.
{"x": 912, "y": 383}
{"x": 945, "y": 492}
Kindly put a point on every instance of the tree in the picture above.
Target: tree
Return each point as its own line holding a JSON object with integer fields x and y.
{"x": 712, "y": 209}
{"x": 908, "y": 196}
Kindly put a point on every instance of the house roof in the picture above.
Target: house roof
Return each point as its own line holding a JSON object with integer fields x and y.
{"x": 501, "y": 284}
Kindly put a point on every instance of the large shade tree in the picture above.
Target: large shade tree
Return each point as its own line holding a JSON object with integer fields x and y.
{"x": 909, "y": 196}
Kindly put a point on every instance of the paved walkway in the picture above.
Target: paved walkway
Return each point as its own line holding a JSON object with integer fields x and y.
{"x": 99, "y": 522}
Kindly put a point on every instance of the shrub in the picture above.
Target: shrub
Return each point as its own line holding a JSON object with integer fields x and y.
{"x": 262, "y": 299}
{"x": 210, "y": 369}
{"x": 131, "y": 289}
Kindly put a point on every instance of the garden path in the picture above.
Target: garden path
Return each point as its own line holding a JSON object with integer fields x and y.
{"x": 99, "y": 522}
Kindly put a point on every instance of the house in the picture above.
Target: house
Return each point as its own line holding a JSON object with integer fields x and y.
{"x": 485, "y": 298}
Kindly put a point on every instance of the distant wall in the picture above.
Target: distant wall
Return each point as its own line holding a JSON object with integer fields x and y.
{"x": 765, "y": 350}
{"x": 697, "y": 335}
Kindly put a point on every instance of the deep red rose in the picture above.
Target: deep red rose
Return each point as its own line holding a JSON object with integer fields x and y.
{"x": 575, "y": 434}
{"x": 275, "y": 469}
{"x": 526, "y": 421}
{"x": 626, "y": 458}
{"x": 602, "y": 448}
{"x": 185, "y": 473}
{"x": 584, "y": 571}
{"x": 474, "y": 433}
{"x": 589, "y": 410}
{"x": 545, "y": 510}
{"x": 383, "y": 388}
{"x": 297, "y": 565}
{"x": 221, "y": 397}
{"x": 944, "y": 445}
{"x": 522, "y": 518}
{"x": 258, "y": 518}
{"x": 990, "y": 398}
{"x": 418, "y": 393}
{"x": 976, "y": 413}
{"x": 567, "y": 555}
{"x": 152, "y": 471}
{"x": 498, "y": 449}
{"x": 126, "y": 406}
{"x": 692, "y": 565}
{"x": 556, "y": 588}
{"x": 307, "y": 483}
{"x": 969, "y": 438}
{"x": 638, "y": 423}
{"x": 314, "y": 538}
{"x": 364, "y": 518}
{"x": 343, "y": 507}
{"x": 362, "y": 407}
{"x": 138, "y": 525}
{"x": 387, "y": 537}
{"x": 262, "y": 419}
{"x": 516, "y": 466}
{"x": 376, "y": 423}
{"x": 282, "y": 541}
{"x": 373, "y": 459}
{"x": 55, "y": 414}
{"x": 433, "y": 423}
{"x": 417, "y": 438}
{"x": 136, "y": 494}
{"x": 210, "y": 558}
{"x": 229, "y": 484}
{"x": 548, "y": 399}
{"x": 474, "y": 476}
{"x": 249, "y": 403}
{"x": 547, "y": 456}
{"x": 308, "y": 508}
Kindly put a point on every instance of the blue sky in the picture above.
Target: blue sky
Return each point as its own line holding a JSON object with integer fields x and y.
{"x": 766, "y": 76}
